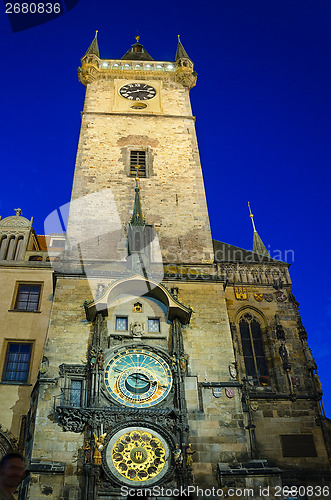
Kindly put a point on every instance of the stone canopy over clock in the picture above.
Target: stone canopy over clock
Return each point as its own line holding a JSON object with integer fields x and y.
{"x": 137, "y": 91}
{"x": 137, "y": 378}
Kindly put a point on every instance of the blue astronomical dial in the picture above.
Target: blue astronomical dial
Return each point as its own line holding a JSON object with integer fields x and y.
{"x": 137, "y": 378}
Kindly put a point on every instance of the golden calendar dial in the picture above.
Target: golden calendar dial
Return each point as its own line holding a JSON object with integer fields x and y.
{"x": 138, "y": 455}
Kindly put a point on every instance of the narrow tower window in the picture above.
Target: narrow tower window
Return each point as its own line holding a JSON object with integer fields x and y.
{"x": 76, "y": 393}
{"x": 253, "y": 349}
{"x": 138, "y": 158}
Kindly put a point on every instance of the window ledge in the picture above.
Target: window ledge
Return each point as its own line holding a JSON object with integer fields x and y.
{"x": 23, "y": 311}
{"x": 13, "y": 382}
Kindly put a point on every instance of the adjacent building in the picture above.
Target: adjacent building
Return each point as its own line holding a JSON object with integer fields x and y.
{"x": 26, "y": 290}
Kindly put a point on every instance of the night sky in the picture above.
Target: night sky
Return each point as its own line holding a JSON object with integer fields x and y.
{"x": 263, "y": 107}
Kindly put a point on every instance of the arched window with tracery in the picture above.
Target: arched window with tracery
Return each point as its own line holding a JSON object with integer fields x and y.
{"x": 253, "y": 349}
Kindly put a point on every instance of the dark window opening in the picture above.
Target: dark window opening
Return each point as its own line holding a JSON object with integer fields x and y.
{"x": 296, "y": 445}
{"x": 138, "y": 242}
{"x": 27, "y": 298}
{"x": 17, "y": 362}
{"x": 138, "y": 158}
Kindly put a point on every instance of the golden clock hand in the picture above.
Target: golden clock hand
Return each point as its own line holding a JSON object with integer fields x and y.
{"x": 156, "y": 382}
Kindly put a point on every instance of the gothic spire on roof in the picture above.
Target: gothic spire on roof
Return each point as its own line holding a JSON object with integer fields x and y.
{"x": 137, "y": 218}
{"x": 181, "y": 52}
{"x": 94, "y": 48}
{"x": 137, "y": 52}
{"x": 258, "y": 245}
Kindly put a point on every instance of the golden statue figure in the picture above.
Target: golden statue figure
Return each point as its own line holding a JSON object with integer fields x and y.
{"x": 98, "y": 447}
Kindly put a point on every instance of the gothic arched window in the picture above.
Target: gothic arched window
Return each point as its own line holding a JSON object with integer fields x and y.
{"x": 253, "y": 349}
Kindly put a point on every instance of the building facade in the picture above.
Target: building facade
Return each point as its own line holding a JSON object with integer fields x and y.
{"x": 172, "y": 360}
{"x": 26, "y": 277}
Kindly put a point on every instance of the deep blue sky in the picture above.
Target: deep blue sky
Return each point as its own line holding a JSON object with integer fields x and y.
{"x": 263, "y": 107}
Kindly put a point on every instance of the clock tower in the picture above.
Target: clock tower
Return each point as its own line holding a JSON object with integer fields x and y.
{"x": 137, "y": 111}
{"x": 172, "y": 360}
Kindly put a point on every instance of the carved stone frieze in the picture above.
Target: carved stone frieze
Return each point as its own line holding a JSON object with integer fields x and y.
{"x": 72, "y": 369}
{"x": 75, "y": 419}
{"x": 71, "y": 419}
{"x": 15, "y": 221}
{"x": 186, "y": 77}
{"x": 88, "y": 73}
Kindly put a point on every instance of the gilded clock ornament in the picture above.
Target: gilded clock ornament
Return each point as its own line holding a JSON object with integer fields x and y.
{"x": 137, "y": 456}
{"x": 138, "y": 91}
{"x": 137, "y": 378}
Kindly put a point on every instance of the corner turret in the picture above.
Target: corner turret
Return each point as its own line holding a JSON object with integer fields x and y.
{"x": 185, "y": 73}
{"x": 90, "y": 62}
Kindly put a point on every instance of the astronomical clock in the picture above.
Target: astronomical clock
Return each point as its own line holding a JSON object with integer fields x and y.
{"x": 137, "y": 378}
{"x": 136, "y": 409}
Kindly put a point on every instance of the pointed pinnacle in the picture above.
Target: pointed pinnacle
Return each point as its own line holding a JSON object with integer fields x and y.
{"x": 251, "y": 216}
{"x": 258, "y": 245}
{"x": 137, "y": 218}
{"x": 181, "y": 52}
{"x": 94, "y": 48}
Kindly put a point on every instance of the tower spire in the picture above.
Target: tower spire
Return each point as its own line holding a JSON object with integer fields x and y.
{"x": 258, "y": 245}
{"x": 181, "y": 52}
{"x": 94, "y": 48}
{"x": 137, "y": 218}
{"x": 137, "y": 52}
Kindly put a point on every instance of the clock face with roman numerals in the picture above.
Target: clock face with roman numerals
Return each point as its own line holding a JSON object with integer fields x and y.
{"x": 137, "y": 91}
{"x": 137, "y": 378}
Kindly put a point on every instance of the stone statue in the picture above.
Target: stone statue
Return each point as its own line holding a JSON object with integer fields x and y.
{"x": 100, "y": 359}
{"x": 283, "y": 353}
{"x": 183, "y": 361}
{"x": 87, "y": 452}
{"x": 178, "y": 456}
{"x": 137, "y": 329}
{"x": 93, "y": 358}
{"x": 189, "y": 456}
{"x": 174, "y": 362}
